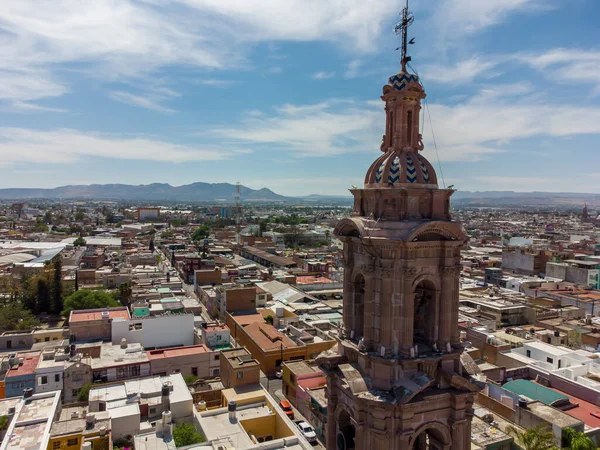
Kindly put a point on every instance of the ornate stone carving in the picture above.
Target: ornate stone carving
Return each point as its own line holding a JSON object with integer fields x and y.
{"x": 409, "y": 272}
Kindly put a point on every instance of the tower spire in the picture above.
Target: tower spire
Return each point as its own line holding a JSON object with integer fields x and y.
{"x": 401, "y": 28}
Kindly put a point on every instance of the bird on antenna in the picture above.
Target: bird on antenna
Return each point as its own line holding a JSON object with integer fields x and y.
{"x": 451, "y": 186}
{"x": 354, "y": 187}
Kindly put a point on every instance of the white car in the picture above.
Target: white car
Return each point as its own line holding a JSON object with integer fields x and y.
{"x": 308, "y": 432}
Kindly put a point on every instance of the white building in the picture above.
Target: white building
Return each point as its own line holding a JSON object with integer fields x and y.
{"x": 167, "y": 330}
{"x": 215, "y": 335}
{"x": 152, "y": 395}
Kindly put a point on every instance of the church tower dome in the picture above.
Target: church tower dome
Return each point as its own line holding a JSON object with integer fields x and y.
{"x": 399, "y": 378}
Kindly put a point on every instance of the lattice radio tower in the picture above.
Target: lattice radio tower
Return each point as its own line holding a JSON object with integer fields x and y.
{"x": 238, "y": 213}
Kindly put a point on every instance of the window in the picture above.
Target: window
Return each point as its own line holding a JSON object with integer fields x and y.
{"x": 135, "y": 327}
{"x": 57, "y": 378}
{"x": 47, "y": 339}
{"x": 195, "y": 371}
{"x": 56, "y": 445}
{"x": 529, "y": 353}
{"x": 239, "y": 375}
{"x": 74, "y": 392}
{"x": 216, "y": 357}
{"x": 44, "y": 380}
{"x": 152, "y": 410}
{"x": 215, "y": 372}
{"x": 550, "y": 360}
{"x": 72, "y": 442}
{"x": 219, "y": 337}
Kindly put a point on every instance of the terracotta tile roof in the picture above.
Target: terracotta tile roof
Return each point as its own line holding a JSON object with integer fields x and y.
{"x": 267, "y": 337}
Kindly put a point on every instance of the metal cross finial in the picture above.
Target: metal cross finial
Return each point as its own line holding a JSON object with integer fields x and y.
{"x": 406, "y": 19}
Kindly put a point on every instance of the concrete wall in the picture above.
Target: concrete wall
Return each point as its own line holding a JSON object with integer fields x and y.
{"x": 54, "y": 379}
{"x": 156, "y": 331}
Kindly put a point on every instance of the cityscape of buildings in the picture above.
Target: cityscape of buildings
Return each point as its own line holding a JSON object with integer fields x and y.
{"x": 397, "y": 322}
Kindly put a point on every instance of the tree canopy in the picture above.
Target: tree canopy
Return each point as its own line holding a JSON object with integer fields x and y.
{"x": 16, "y": 317}
{"x": 576, "y": 440}
{"x": 88, "y": 299}
{"x": 79, "y": 242}
{"x": 536, "y": 438}
{"x": 200, "y": 233}
{"x": 186, "y": 434}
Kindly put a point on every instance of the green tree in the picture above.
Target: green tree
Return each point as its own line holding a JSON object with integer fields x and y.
{"x": 576, "y": 440}
{"x": 167, "y": 234}
{"x": 56, "y": 291}
{"x": 190, "y": 379}
{"x": 16, "y": 317}
{"x": 79, "y": 242}
{"x": 88, "y": 299}
{"x": 536, "y": 438}
{"x": 200, "y": 233}
{"x": 186, "y": 434}
{"x": 269, "y": 319}
{"x": 48, "y": 217}
{"x": 40, "y": 226}
{"x": 125, "y": 293}
{"x": 79, "y": 215}
{"x": 4, "y": 422}
{"x": 84, "y": 393}
{"x": 42, "y": 305}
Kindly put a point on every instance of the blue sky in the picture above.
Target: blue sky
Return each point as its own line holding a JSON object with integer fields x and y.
{"x": 284, "y": 94}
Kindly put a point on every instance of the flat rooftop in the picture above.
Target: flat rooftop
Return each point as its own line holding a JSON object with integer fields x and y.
{"x": 178, "y": 351}
{"x": 29, "y": 362}
{"x": 86, "y": 315}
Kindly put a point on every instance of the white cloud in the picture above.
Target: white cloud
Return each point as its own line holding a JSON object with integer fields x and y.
{"x": 20, "y": 145}
{"x": 125, "y": 38}
{"x": 353, "y": 68}
{"x": 454, "y": 19}
{"x": 562, "y": 65}
{"x": 464, "y": 71}
{"x": 322, "y": 75}
{"x": 141, "y": 101}
{"x": 486, "y": 123}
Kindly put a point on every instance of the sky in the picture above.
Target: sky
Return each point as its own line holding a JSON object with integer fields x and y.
{"x": 284, "y": 94}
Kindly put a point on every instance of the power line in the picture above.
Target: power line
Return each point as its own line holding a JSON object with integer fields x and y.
{"x": 431, "y": 125}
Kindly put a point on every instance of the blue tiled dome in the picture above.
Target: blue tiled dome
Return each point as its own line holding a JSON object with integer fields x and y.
{"x": 400, "y": 168}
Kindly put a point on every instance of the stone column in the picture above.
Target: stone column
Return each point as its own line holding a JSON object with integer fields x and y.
{"x": 407, "y": 310}
{"x": 332, "y": 402}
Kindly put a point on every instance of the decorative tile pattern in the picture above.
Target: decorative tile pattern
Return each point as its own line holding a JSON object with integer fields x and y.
{"x": 400, "y": 80}
{"x": 411, "y": 170}
{"x": 394, "y": 175}
{"x": 424, "y": 171}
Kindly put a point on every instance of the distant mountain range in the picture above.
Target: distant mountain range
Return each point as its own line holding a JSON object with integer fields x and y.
{"x": 195, "y": 192}
{"x": 225, "y": 192}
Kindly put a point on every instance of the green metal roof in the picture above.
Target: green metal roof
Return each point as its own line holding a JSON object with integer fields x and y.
{"x": 534, "y": 391}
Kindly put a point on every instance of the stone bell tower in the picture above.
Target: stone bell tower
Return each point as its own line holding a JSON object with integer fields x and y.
{"x": 397, "y": 381}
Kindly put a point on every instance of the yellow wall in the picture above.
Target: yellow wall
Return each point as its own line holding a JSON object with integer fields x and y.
{"x": 260, "y": 426}
{"x": 63, "y": 440}
{"x": 100, "y": 442}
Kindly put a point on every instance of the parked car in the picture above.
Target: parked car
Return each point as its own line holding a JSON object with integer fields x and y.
{"x": 307, "y": 431}
{"x": 287, "y": 408}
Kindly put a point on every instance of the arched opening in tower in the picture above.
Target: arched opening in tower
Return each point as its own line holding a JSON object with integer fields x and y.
{"x": 424, "y": 315}
{"x": 430, "y": 439}
{"x": 358, "y": 306}
{"x": 346, "y": 432}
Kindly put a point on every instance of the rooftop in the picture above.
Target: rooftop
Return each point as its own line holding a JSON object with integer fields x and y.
{"x": 534, "y": 391}
{"x": 29, "y": 362}
{"x": 178, "y": 351}
{"x": 267, "y": 337}
{"x": 85, "y": 315}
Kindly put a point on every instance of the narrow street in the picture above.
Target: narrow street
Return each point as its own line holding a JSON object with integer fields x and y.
{"x": 274, "y": 386}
